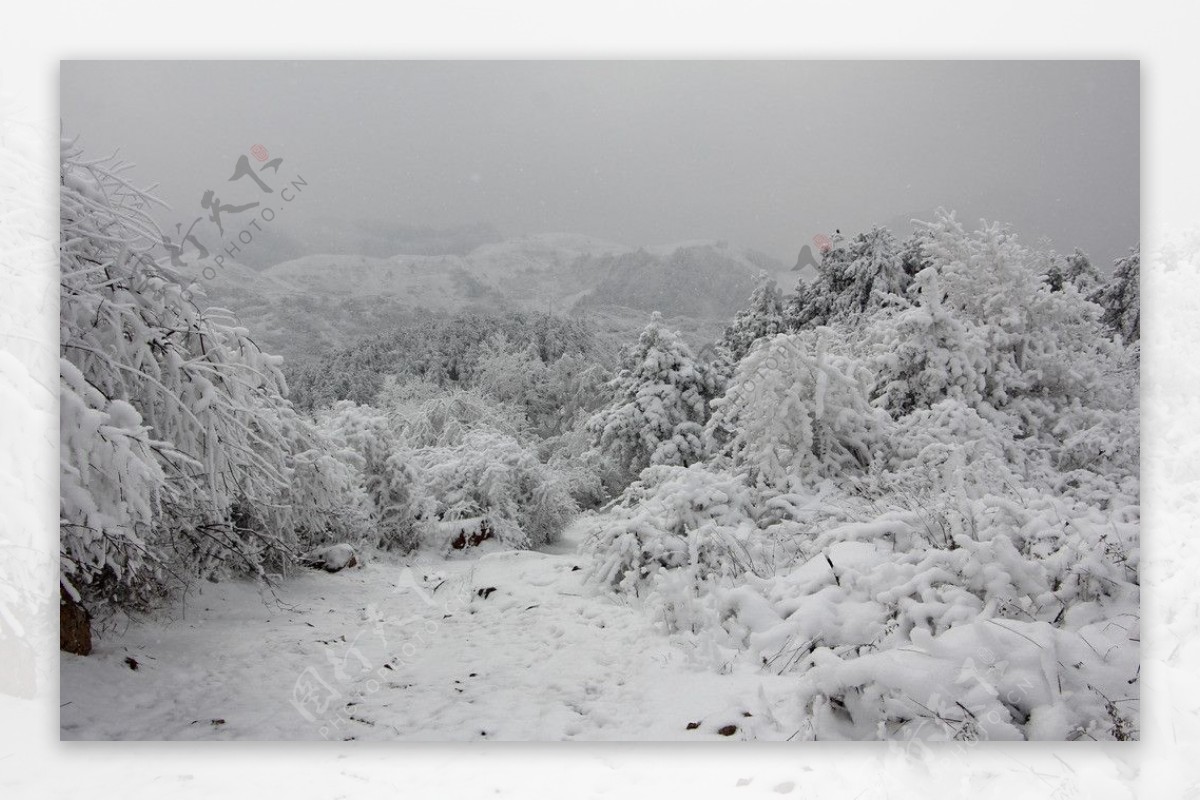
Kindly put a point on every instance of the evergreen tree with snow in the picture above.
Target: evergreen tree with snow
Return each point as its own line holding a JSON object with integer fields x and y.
{"x": 660, "y": 406}
{"x": 867, "y": 273}
{"x": 927, "y": 354}
{"x": 1121, "y": 297}
{"x": 1074, "y": 270}
{"x": 762, "y": 318}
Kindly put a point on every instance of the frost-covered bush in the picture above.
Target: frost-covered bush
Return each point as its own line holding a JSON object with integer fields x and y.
{"x": 391, "y": 476}
{"x": 326, "y": 480}
{"x": 987, "y": 680}
{"x": 1043, "y": 350}
{"x": 322, "y": 499}
{"x": 424, "y": 415}
{"x": 492, "y": 475}
{"x": 1075, "y": 270}
{"x": 918, "y": 609}
{"x": 951, "y": 444}
{"x": 591, "y": 476}
{"x": 1097, "y": 461}
{"x": 795, "y": 412}
{"x": 675, "y": 517}
{"x": 1019, "y": 588}
{"x": 552, "y": 395}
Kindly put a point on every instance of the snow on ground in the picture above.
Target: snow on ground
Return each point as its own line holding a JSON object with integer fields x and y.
{"x": 418, "y": 649}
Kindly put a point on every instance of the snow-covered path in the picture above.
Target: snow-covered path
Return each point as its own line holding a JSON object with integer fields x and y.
{"x": 422, "y": 652}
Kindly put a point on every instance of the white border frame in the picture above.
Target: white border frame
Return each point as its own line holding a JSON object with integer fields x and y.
{"x": 34, "y": 37}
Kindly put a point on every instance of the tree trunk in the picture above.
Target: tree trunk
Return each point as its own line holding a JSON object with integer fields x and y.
{"x": 74, "y": 625}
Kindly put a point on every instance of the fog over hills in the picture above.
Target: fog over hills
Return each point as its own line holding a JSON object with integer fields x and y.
{"x": 307, "y": 305}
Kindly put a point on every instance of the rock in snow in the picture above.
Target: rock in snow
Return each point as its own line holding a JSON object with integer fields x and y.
{"x": 331, "y": 557}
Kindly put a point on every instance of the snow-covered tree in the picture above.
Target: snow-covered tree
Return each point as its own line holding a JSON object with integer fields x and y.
{"x": 111, "y": 481}
{"x": 926, "y": 354}
{"x": 661, "y": 403}
{"x": 1075, "y": 269}
{"x": 868, "y": 272}
{"x": 762, "y": 318}
{"x": 1121, "y": 297}
{"x": 794, "y": 412}
{"x": 184, "y": 405}
{"x": 1045, "y": 350}
{"x": 551, "y": 394}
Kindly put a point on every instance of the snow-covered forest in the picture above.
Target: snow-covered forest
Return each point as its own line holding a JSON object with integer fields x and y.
{"x": 897, "y": 501}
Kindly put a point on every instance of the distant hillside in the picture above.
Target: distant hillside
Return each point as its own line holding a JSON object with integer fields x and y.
{"x": 314, "y": 304}
{"x": 704, "y": 281}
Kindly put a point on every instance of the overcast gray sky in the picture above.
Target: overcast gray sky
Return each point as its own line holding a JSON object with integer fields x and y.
{"x": 764, "y": 154}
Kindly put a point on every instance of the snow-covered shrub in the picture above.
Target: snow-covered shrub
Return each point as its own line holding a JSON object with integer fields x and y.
{"x": 795, "y": 412}
{"x": 552, "y": 395}
{"x": 675, "y": 517}
{"x": 1097, "y": 460}
{"x": 987, "y": 680}
{"x": 941, "y": 580}
{"x": 425, "y": 416}
{"x": 325, "y": 499}
{"x": 492, "y": 475}
{"x": 1044, "y": 350}
{"x": 393, "y": 482}
{"x": 661, "y": 402}
{"x": 948, "y": 444}
{"x": 510, "y": 375}
{"x": 591, "y": 476}
{"x": 575, "y": 387}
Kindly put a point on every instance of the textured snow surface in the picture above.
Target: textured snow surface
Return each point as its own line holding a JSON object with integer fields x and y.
{"x": 412, "y": 654}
